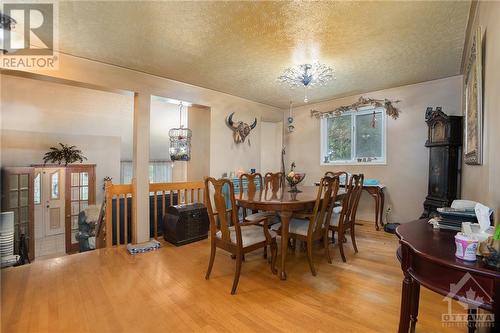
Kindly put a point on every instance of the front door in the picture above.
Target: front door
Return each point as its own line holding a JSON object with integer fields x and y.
{"x": 50, "y": 212}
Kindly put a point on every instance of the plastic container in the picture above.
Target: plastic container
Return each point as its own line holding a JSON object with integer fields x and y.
{"x": 465, "y": 247}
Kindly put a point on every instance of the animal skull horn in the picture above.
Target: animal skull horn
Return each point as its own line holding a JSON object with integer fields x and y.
{"x": 240, "y": 129}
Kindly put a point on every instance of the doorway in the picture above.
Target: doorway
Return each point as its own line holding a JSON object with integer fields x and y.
{"x": 46, "y": 201}
{"x": 270, "y": 153}
{"x": 49, "y": 209}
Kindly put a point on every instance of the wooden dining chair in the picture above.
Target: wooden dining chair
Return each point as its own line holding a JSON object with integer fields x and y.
{"x": 343, "y": 217}
{"x": 344, "y": 179}
{"x": 230, "y": 234}
{"x": 273, "y": 181}
{"x": 313, "y": 226}
{"x": 343, "y": 176}
{"x": 251, "y": 190}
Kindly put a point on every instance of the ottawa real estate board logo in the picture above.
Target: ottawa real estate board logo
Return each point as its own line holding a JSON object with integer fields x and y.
{"x": 29, "y": 35}
{"x": 471, "y": 297}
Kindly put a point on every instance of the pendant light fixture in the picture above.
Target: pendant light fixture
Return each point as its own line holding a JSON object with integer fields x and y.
{"x": 180, "y": 141}
{"x": 291, "y": 128}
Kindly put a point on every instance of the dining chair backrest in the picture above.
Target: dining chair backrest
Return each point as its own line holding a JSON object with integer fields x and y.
{"x": 343, "y": 176}
{"x": 251, "y": 185}
{"x": 273, "y": 181}
{"x": 215, "y": 198}
{"x": 351, "y": 200}
{"x": 356, "y": 182}
{"x": 327, "y": 192}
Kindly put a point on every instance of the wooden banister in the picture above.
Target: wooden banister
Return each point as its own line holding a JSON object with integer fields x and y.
{"x": 185, "y": 193}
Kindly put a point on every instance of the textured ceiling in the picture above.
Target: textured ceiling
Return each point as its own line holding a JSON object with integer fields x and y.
{"x": 241, "y": 47}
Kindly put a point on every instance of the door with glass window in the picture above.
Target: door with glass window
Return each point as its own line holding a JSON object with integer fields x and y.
{"x": 80, "y": 193}
{"x": 49, "y": 200}
{"x": 17, "y": 197}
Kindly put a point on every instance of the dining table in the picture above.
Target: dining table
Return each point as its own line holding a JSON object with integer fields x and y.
{"x": 284, "y": 203}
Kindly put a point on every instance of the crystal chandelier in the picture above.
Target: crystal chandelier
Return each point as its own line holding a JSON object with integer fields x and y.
{"x": 180, "y": 141}
{"x": 307, "y": 75}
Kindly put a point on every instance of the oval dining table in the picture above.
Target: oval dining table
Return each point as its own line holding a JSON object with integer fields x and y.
{"x": 285, "y": 203}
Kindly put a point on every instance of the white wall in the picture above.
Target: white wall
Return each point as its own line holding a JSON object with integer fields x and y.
{"x": 482, "y": 182}
{"x": 199, "y": 165}
{"x": 97, "y": 122}
{"x": 37, "y": 115}
{"x": 221, "y": 144}
{"x": 23, "y": 148}
{"x": 406, "y": 172}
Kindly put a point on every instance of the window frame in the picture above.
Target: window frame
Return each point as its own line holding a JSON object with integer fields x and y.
{"x": 353, "y": 114}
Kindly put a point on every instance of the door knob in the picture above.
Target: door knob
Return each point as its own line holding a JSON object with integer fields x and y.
{"x": 48, "y": 206}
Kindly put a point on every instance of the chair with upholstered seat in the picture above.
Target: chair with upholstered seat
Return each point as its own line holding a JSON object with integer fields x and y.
{"x": 343, "y": 176}
{"x": 313, "y": 226}
{"x": 344, "y": 180}
{"x": 251, "y": 189}
{"x": 273, "y": 183}
{"x": 228, "y": 233}
{"x": 343, "y": 218}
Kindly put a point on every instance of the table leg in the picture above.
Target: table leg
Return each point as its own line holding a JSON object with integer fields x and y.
{"x": 375, "y": 194}
{"x": 377, "y": 208}
{"x": 415, "y": 298}
{"x": 382, "y": 201}
{"x": 406, "y": 302}
{"x": 471, "y": 320}
{"x": 285, "y": 220}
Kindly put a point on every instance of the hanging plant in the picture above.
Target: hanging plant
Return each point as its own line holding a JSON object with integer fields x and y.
{"x": 66, "y": 154}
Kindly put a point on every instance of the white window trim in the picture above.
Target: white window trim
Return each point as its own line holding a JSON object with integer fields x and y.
{"x": 362, "y": 111}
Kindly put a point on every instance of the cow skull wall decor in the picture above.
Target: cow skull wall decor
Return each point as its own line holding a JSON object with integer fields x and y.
{"x": 240, "y": 129}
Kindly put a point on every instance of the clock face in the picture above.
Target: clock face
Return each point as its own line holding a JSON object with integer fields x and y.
{"x": 438, "y": 132}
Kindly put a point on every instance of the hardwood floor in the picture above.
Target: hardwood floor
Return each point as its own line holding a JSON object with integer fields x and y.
{"x": 165, "y": 291}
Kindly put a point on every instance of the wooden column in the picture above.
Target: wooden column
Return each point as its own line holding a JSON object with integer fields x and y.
{"x": 142, "y": 106}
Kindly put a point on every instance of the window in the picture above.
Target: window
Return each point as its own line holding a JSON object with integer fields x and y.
{"x": 54, "y": 185}
{"x": 159, "y": 172}
{"x": 37, "y": 189}
{"x": 352, "y": 138}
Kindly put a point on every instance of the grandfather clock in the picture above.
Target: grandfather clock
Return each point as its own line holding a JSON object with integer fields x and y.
{"x": 445, "y": 151}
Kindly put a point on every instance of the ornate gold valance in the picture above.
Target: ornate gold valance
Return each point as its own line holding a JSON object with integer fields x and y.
{"x": 390, "y": 109}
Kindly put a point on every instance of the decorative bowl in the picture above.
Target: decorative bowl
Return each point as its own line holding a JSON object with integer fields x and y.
{"x": 293, "y": 179}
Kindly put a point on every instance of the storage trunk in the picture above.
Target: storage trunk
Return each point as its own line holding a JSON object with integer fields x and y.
{"x": 185, "y": 224}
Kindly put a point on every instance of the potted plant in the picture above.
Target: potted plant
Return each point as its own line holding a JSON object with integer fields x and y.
{"x": 66, "y": 154}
